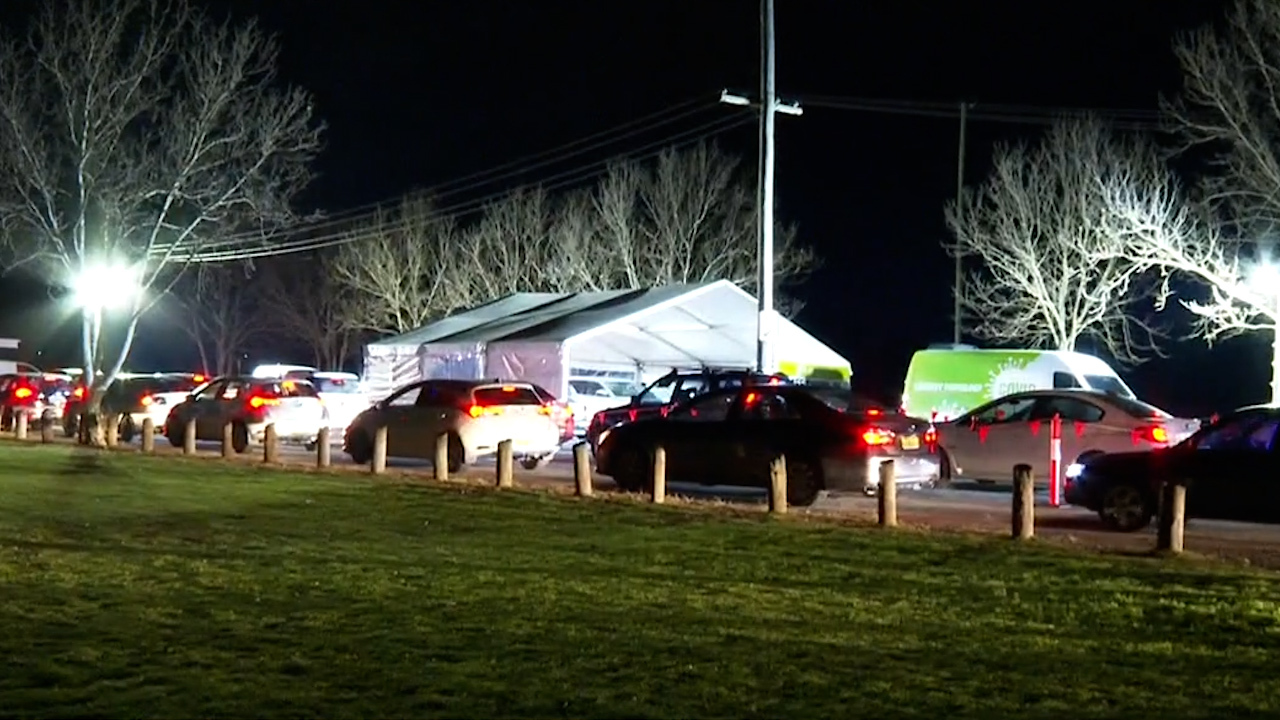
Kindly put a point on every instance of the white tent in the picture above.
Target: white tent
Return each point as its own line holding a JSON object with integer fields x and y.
{"x": 548, "y": 337}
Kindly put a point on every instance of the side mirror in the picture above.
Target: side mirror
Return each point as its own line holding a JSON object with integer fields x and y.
{"x": 635, "y": 399}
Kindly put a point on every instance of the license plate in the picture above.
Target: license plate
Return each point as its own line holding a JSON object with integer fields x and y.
{"x": 910, "y": 442}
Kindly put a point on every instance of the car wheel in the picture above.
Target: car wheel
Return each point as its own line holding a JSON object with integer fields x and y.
{"x": 360, "y": 448}
{"x": 631, "y": 471}
{"x": 944, "y": 469}
{"x": 71, "y": 426}
{"x": 239, "y": 438}
{"x": 804, "y": 482}
{"x": 175, "y": 433}
{"x": 127, "y": 430}
{"x": 1125, "y": 508}
{"x": 536, "y": 462}
{"x": 457, "y": 454}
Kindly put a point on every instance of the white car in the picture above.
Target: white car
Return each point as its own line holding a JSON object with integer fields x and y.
{"x": 475, "y": 415}
{"x": 250, "y": 404}
{"x": 590, "y": 395}
{"x": 985, "y": 443}
{"x": 343, "y": 397}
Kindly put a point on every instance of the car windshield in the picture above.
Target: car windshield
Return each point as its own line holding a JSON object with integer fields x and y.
{"x": 1109, "y": 384}
{"x": 621, "y": 388}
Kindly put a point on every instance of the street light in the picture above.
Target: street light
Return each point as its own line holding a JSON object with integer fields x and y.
{"x": 105, "y": 287}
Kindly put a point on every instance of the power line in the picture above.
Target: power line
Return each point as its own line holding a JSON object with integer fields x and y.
{"x": 1127, "y": 119}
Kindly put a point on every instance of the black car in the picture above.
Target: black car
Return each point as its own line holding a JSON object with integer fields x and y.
{"x": 1230, "y": 467}
{"x": 730, "y": 436}
{"x": 672, "y": 389}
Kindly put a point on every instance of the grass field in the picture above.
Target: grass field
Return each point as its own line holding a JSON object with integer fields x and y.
{"x": 148, "y": 587}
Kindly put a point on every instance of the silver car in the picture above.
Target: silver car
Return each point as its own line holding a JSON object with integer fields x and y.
{"x": 250, "y": 405}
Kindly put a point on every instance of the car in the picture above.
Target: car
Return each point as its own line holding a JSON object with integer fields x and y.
{"x": 590, "y": 395}
{"x": 250, "y": 405}
{"x": 135, "y": 397}
{"x": 343, "y": 396}
{"x": 561, "y": 413}
{"x": 984, "y": 444}
{"x": 38, "y": 396}
{"x": 729, "y": 437}
{"x": 1230, "y": 468}
{"x": 475, "y": 416}
{"x": 672, "y": 389}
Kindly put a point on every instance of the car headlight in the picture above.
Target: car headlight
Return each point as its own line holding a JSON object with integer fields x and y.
{"x": 1074, "y": 470}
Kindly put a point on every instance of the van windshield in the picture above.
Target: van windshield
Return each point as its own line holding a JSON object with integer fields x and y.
{"x": 1109, "y": 384}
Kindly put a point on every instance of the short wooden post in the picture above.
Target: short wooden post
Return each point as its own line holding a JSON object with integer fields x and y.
{"x": 887, "y": 493}
{"x": 778, "y": 485}
{"x": 46, "y": 432}
{"x": 582, "y": 470}
{"x": 506, "y": 464}
{"x": 228, "y": 440}
{"x": 1024, "y": 503}
{"x": 1173, "y": 518}
{"x": 148, "y": 435}
{"x": 189, "y": 438}
{"x": 324, "y": 456}
{"x": 659, "y": 474}
{"x": 441, "y": 460}
{"x": 112, "y": 429}
{"x": 378, "y": 463}
{"x": 270, "y": 444}
{"x": 20, "y": 426}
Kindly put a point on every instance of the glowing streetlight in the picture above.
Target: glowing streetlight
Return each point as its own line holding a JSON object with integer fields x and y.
{"x": 1264, "y": 279}
{"x": 105, "y": 287}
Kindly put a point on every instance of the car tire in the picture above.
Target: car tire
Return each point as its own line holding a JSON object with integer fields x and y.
{"x": 536, "y": 462}
{"x": 945, "y": 470}
{"x": 457, "y": 454}
{"x": 1126, "y": 508}
{"x": 239, "y": 438}
{"x": 360, "y": 448}
{"x": 631, "y": 471}
{"x": 804, "y": 483}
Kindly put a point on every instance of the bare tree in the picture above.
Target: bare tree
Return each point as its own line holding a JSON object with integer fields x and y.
{"x": 1047, "y": 272}
{"x": 400, "y": 268}
{"x": 219, "y": 312}
{"x": 131, "y": 132}
{"x": 308, "y": 305}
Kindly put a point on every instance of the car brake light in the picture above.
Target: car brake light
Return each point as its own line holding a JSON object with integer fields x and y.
{"x": 23, "y": 393}
{"x": 931, "y": 436}
{"x": 257, "y": 402}
{"x": 476, "y": 411}
{"x": 197, "y": 378}
{"x": 1152, "y": 434}
{"x": 873, "y": 412}
{"x": 78, "y": 393}
{"x": 876, "y": 436}
{"x": 146, "y": 401}
{"x": 544, "y": 409}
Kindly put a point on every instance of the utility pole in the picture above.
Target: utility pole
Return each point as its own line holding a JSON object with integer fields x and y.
{"x": 768, "y": 105}
{"x": 959, "y": 282}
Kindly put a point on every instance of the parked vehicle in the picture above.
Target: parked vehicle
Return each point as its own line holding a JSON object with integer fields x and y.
{"x": 1230, "y": 468}
{"x": 475, "y": 415}
{"x": 38, "y": 396}
{"x": 590, "y": 395}
{"x": 561, "y": 414}
{"x": 985, "y": 444}
{"x": 135, "y": 397}
{"x": 343, "y": 396}
{"x": 672, "y": 389}
{"x": 249, "y": 404}
{"x": 945, "y": 382}
{"x": 729, "y": 437}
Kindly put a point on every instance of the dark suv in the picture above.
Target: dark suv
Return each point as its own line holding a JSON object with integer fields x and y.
{"x": 675, "y": 387}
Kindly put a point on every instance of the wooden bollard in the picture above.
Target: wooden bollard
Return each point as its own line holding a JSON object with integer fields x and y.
{"x": 20, "y": 426}
{"x": 659, "y": 475}
{"x": 1173, "y": 518}
{"x": 228, "y": 440}
{"x": 148, "y": 435}
{"x": 778, "y": 485}
{"x": 887, "y": 494}
{"x": 378, "y": 463}
{"x": 46, "y": 432}
{"x": 582, "y": 470}
{"x": 1024, "y": 503}
{"x": 441, "y": 459}
{"x": 506, "y": 464}
{"x": 270, "y": 444}
{"x": 189, "y": 438}
{"x": 113, "y": 429}
{"x": 324, "y": 453}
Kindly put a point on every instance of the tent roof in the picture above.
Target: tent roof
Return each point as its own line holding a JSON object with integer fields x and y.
{"x": 706, "y": 324}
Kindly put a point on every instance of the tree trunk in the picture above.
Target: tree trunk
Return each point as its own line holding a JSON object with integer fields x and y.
{"x": 1275, "y": 364}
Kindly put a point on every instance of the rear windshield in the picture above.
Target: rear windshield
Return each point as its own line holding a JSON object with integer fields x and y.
{"x": 844, "y": 400}
{"x": 336, "y": 385}
{"x": 287, "y": 388}
{"x": 1136, "y": 408}
{"x": 158, "y": 385}
{"x": 505, "y": 395}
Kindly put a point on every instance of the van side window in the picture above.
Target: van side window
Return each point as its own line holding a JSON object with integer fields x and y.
{"x": 1065, "y": 381}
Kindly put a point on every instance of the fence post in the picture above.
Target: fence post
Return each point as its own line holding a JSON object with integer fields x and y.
{"x": 20, "y": 426}
{"x": 441, "y": 459}
{"x": 189, "y": 438}
{"x": 778, "y": 485}
{"x": 228, "y": 449}
{"x": 506, "y": 464}
{"x": 378, "y": 463}
{"x": 323, "y": 452}
{"x": 582, "y": 470}
{"x": 270, "y": 445}
{"x": 659, "y": 475}
{"x": 887, "y": 493}
{"x": 148, "y": 435}
{"x": 112, "y": 429}
{"x": 1024, "y": 503}
{"x": 1173, "y": 517}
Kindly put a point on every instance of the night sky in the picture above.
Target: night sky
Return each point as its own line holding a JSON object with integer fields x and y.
{"x": 419, "y": 94}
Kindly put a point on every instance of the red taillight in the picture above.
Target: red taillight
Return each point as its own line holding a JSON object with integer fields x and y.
{"x": 197, "y": 378}
{"x": 257, "y": 402}
{"x": 877, "y": 437}
{"x": 931, "y": 437}
{"x": 1152, "y": 433}
{"x": 476, "y": 411}
{"x": 78, "y": 393}
{"x": 873, "y": 412}
{"x": 23, "y": 393}
{"x": 146, "y": 401}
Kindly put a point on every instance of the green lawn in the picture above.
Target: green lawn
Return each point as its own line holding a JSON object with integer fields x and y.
{"x": 163, "y": 587}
